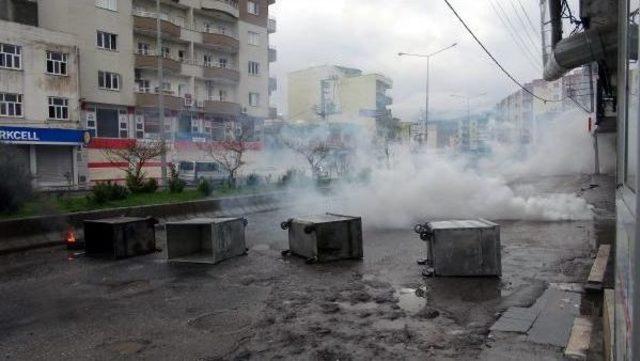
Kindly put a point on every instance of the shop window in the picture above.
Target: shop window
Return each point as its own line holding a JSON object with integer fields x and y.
{"x": 107, "y": 123}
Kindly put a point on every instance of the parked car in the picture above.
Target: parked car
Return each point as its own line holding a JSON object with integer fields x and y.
{"x": 192, "y": 172}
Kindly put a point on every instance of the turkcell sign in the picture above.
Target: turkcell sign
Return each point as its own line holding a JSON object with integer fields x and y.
{"x": 52, "y": 136}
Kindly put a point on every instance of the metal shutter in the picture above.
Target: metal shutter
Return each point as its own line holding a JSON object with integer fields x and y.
{"x": 54, "y": 165}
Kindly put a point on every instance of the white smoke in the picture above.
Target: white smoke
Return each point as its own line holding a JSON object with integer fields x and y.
{"x": 406, "y": 186}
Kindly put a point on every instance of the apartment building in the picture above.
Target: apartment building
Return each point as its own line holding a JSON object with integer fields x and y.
{"x": 39, "y": 104}
{"x": 522, "y": 114}
{"x": 339, "y": 94}
{"x": 215, "y": 58}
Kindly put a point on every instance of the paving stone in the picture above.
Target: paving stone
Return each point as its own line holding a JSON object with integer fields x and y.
{"x": 554, "y": 323}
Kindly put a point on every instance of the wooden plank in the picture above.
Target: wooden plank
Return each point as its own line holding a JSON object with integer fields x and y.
{"x": 596, "y": 277}
{"x": 607, "y": 321}
{"x": 580, "y": 339}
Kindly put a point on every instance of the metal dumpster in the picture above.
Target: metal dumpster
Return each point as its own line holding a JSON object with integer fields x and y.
{"x": 120, "y": 237}
{"x": 462, "y": 247}
{"x": 325, "y": 237}
{"x": 206, "y": 240}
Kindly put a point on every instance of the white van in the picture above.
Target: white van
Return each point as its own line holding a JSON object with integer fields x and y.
{"x": 192, "y": 172}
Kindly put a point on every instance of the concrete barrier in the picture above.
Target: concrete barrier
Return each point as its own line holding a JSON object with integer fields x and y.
{"x": 44, "y": 231}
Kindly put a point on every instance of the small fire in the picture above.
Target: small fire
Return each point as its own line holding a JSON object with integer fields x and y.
{"x": 70, "y": 237}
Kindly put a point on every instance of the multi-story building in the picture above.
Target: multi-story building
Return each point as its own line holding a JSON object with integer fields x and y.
{"x": 522, "y": 115}
{"x": 339, "y": 94}
{"x": 39, "y": 103}
{"x": 215, "y": 58}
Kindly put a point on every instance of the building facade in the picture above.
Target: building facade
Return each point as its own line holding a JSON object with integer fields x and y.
{"x": 39, "y": 104}
{"x": 339, "y": 94}
{"x": 215, "y": 58}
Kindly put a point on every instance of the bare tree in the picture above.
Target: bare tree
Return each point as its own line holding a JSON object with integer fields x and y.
{"x": 229, "y": 153}
{"x": 136, "y": 155}
{"x": 314, "y": 151}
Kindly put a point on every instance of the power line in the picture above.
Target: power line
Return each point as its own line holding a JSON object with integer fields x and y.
{"x": 518, "y": 42}
{"x": 524, "y": 26}
{"x": 513, "y": 79}
{"x": 514, "y": 29}
{"x": 535, "y": 31}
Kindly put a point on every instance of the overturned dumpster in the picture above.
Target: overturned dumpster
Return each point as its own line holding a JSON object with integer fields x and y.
{"x": 206, "y": 240}
{"x": 326, "y": 237}
{"x": 462, "y": 247}
{"x": 120, "y": 237}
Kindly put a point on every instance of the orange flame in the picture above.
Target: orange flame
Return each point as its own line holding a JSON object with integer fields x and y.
{"x": 70, "y": 236}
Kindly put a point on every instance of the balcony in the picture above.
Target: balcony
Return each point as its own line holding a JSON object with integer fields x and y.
{"x": 273, "y": 55}
{"x": 221, "y": 41}
{"x": 272, "y": 25}
{"x": 150, "y": 61}
{"x": 150, "y": 100}
{"x": 273, "y": 85}
{"x": 145, "y": 23}
{"x": 219, "y": 73}
{"x": 226, "y": 6}
{"x": 222, "y": 107}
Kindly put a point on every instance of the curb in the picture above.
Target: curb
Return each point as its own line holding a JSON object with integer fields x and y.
{"x": 46, "y": 231}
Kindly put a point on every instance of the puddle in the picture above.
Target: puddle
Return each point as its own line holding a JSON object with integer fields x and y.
{"x": 358, "y": 306}
{"x": 411, "y": 300}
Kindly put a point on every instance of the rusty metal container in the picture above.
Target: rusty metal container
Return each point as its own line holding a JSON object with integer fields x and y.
{"x": 462, "y": 247}
{"x": 325, "y": 237}
{"x": 206, "y": 240}
{"x": 120, "y": 237}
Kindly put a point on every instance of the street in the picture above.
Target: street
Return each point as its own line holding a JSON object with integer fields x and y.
{"x": 56, "y": 305}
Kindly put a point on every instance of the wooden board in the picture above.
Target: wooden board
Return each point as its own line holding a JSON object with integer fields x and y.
{"x": 596, "y": 277}
{"x": 607, "y": 321}
{"x": 580, "y": 339}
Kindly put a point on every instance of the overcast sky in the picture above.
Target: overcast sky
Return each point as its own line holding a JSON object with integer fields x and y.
{"x": 368, "y": 34}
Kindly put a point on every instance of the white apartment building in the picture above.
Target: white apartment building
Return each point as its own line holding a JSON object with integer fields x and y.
{"x": 215, "y": 57}
{"x": 39, "y": 104}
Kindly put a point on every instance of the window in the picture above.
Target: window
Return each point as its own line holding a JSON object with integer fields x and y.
{"x": 143, "y": 86}
{"x": 166, "y": 87}
{"x": 181, "y": 55}
{"x": 223, "y": 95}
{"x": 254, "y": 99}
{"x": 58, "y": 108}
{"x": 254, "y": 68}
{"x": 107, "y": 80}
{"x": 56, "y": 63}
{"x": 107, "y": 4}
{"x": 222, "y": 62}
{"x": 10, "y": 56}
{"x": 10, "y": 105}
{"x": 254, "y": 38}
{"x": 107, "y": 40}
{"x": 166, "y": 52}
{"x": 143, "y": 48}
{"x": 253, "y": 8}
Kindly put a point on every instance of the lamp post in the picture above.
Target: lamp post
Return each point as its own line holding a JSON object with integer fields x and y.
{"x": 426, "y": 110}
{"x": 468, "y": 99}
{"x": 163, "y": 135}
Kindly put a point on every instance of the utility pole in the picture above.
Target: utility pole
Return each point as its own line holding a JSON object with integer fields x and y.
{"x": 428, "y": 56}
{"x": 163, "y": 135}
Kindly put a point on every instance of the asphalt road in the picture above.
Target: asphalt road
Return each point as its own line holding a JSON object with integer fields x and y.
{"x": 58, "y": 306}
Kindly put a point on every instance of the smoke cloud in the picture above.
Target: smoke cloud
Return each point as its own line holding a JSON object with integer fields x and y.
{"x": 405, "y": 186}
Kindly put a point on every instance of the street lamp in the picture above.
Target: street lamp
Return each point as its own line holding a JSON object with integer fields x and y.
{"x": 428, "y": 56}
{"x": 468, "y": 99}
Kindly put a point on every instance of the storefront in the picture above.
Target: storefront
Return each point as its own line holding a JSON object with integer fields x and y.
{"x": 55, "y": 157}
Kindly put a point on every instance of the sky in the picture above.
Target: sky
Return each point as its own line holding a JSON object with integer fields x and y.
{"x": 368, "y": 34}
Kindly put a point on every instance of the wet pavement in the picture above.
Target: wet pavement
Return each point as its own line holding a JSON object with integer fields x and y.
{"x": 57, "y": 306}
